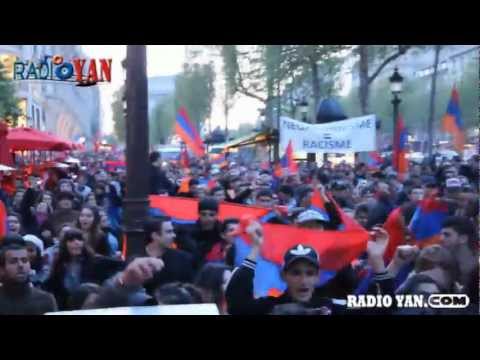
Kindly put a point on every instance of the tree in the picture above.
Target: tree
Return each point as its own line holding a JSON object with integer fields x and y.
{"x": 468, "y": 90}
{"x": 162, "y": 120}
{"x": 8, "y": 101}
{"x": 119, "y": 124}
{"x": 367, "y": 55}
{"x": 276, "y": 72}
{"x": 322, "y": 64}
{"x": 194, "y": 90}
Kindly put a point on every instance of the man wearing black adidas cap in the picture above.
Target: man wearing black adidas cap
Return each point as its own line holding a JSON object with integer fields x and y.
{"x": 300, "y": 272}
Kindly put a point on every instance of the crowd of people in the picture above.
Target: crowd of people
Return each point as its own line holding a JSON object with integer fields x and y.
{"x": 64, "y": 242}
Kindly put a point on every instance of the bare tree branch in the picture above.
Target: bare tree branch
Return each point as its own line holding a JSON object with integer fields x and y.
{"x": 240, "y": 87}
{"x": 402, "y": 49}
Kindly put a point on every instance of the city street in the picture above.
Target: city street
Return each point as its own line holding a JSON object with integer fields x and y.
{"x": 239, "y": 179}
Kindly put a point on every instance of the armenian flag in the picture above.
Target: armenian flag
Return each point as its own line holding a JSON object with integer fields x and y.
{"x": 452, "y": 121}
{"x": 400, "y": 162}
{"x": 287, "y": 161}
{"x": 335, "y": 248}
{"x": 374, "y": 160}
{"x": 187, "y": 132}
{"x": 426, "y": 223}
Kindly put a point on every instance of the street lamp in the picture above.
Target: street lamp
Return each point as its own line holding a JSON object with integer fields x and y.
{"x": 396, "y": 87}
{"x": 136, "y": 202}
{"x": 303, "y": 105}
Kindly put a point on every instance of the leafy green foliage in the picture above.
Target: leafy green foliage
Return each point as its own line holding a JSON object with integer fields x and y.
{"x": 194, "y": 90}
{"x": 162, "y": 120}
{"x": 8, "y": 101}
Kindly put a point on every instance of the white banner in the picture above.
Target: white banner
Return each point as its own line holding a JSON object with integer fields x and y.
{"x": 346, "y": 136}
{"x": 194, "y": 309}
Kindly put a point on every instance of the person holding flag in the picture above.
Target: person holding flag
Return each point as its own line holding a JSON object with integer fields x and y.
{"x": 300, "y": 271}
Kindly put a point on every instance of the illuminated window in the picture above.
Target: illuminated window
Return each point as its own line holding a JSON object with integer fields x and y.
{"x": 7, "y": 62}
{"x": 22, "y": 119}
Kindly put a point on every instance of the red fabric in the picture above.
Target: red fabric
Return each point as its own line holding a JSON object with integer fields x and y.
{"x": 217, "y": 253}
{"x": 8, "y": 185}
{"x": 5, "y": 156}
{"x": 184, "y": 160}
{"x": 395, "y": 228}
{"x": 184, "y": 186}
{"x": 25, "y": 139}
{"x": 3, "y": 220}
{"x": 187, "y": 209}
{"x": 292, "y": 165}
{"x": 336, "y": 248}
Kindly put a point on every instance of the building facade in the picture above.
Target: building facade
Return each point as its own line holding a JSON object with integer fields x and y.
{"x": 64, "y": 109}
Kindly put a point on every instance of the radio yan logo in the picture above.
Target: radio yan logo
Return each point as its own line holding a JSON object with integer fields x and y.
{"x": 83, "y": 72}
{"x": 434, "y": 301}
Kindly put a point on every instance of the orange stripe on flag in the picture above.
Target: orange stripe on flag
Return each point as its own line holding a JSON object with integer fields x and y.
{"x": 124, "y": 247}
{"x": 274, "y": 292}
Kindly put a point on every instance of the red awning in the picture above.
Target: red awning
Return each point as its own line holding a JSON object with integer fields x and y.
{"x": 27, "y": 139}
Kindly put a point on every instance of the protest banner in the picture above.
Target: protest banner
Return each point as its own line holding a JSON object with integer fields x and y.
{"x": 193, "y": 309}
{"x": 346, "y": 136}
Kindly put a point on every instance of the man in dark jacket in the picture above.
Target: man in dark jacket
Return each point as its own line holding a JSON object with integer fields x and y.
{"x": 383, "y": 207}
{"x": 300, "y": 272}
{"x": 158, "y": 179}
{"x": 199, "y": 238}
{"x": 160, "y": 235}
{"x": 17, "y": 295}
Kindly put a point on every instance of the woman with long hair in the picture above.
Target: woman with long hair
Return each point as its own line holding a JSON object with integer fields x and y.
{"x": 74, "y": 265}
{"x": 89, "y": 222}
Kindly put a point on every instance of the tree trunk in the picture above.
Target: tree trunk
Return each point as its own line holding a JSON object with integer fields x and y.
{"x": 293, "y": 106}
{"x": 315, "y": 86}
{"x": 433, "y": 91}
{"x": 225, "y": 110}
{"x": 364, "y": 87}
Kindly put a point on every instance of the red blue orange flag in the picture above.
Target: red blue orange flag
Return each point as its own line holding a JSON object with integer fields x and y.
{"x": 287, "y": 161}
{"x": 340, "y": 247}
{"x": 400, "y": 162}
{"x": 452, "y": 121}
{"x": 335, "y": 248}
{"x": 374, "y": 160}
{"x": 187, "y": 132}
{"x": 426, "y": 223}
